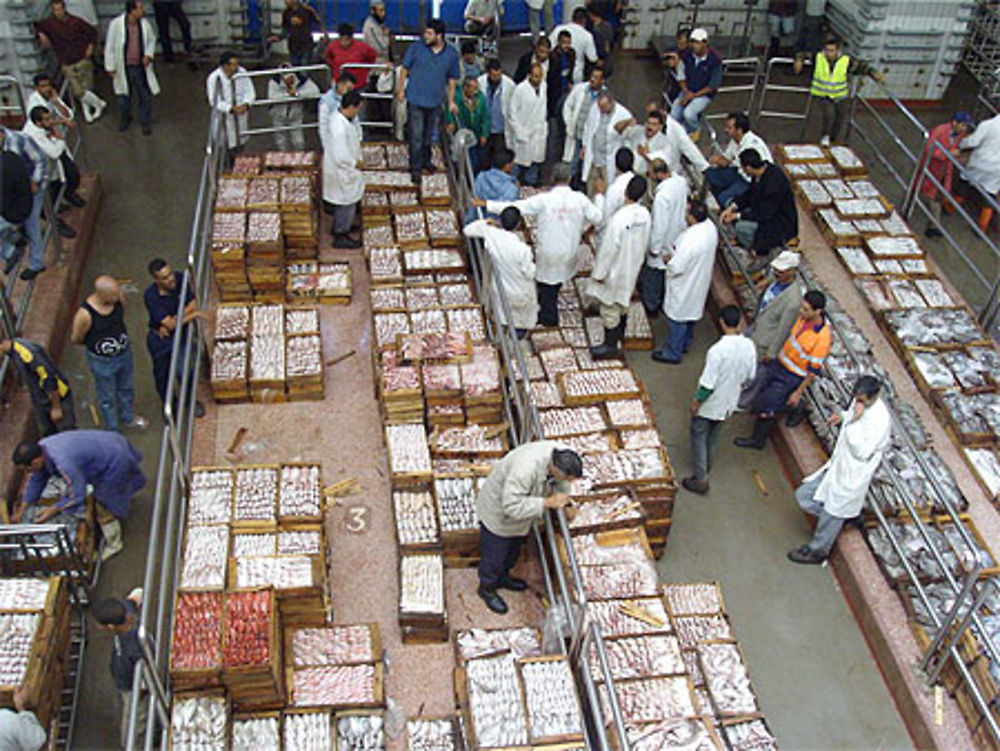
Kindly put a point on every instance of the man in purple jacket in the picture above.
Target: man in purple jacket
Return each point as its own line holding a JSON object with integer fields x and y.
{"x": 700, "y": 80}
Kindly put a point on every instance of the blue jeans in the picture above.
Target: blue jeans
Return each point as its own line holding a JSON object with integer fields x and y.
{"x": 138, "y": 86}
{"x": 678, "y": 340}
{"x": 726, "y": 184}
{"x": 343, "y": 217}
{"x": 421, "y": 124}
{"x": 32, "y": 231}
{"x": 300, "y": 60}
{"x": 651, "y": 287}
{"x": 690, "y": 116}
{"x": 827, "y": 527}
{"x": 528, "y": 175}
{"x": 704, "y": 437}
{"x": 113, "y": 378}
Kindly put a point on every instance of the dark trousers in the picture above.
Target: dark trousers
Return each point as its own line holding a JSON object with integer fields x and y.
{"x": 548, "y": 303}
{"x": 159, "y": 352}
{"x": 72, "y": 173}
{"x": 46, "y": 426}
{"x": 779, "y": 383}
{"x": 678, "y": 340}
{"x": 831, "y": 114}
{"x": 138, "y": 87}
{"x": 497, "y": 556}
{"x": 651, "y": 288}
{"x": 164, "y": 12}
{"x": 704, "y": 437}
{"x": 494, "y": 143}
{"x": 421, "y": 123}
{"x": 726, "y": 184}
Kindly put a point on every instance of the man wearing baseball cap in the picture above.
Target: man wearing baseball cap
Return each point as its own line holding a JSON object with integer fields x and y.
{"x": 945, "y": 137}
{"x": 701, "y": 78}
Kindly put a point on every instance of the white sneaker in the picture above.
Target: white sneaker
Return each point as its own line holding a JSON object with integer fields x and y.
{"x": 824, "y": 141}
{"x": 138, "y": 422}
{"x": 88, "y": 112}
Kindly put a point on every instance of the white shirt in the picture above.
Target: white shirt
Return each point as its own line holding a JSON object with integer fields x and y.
{"x": 620, "y": 255}
{"x": 860, "y": 447}
{"x": 669, "y": 219}
{"x": 529, "y": 124}
{"x": 656, "y": 147}
{"x": 680, "y": 143}
{"x": 59, "y": 109}
{"x": 689, "y": 272}
{"x": 614, "y": 198}
{"x": 613, "y": 139}
{"x": 516, "y": 268}
{"x": 53, "y": 147}
{"x": 561, "y": 215}
{"x": 750, "y": 140}
{"x": 577, "y": 105}
{"x": 582, "y": 42}
{"x": 729, "y": 363}
{"x": 984, "y": 161}
{"x": 223, "y": 95}
{"x": 343, "y": 183}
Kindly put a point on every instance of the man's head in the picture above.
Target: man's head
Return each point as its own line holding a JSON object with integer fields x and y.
{"x": 729, "y": 319}
{"x": 961, "y": 122}
{"x": 43, "y": 84}
{"x": 503, "y": 160}
{"x": 654, "y": 123}
{"x": 59, "y": 9}
{"x": 737, "y": 125}
{"x": 683, "y": 39}
{"x": 536, "y": 75}
{"x": 229, "y": 61}
{"x": 112, "y": 615}
{"x": 866, "y": 389}
{"x": 134, "y": 9}
{"x": 468, "y": 50}
{"x": 345, "y": 35}
{"x": 698, "y": 39}
{"x": 560, "y": 173}
{"x": 566, "y": 465}
{"x": 658, "y": 170}
{"x": 597, "y": 78}
{"x": 5, "y": 345}
{"x": 606, "y": 103}
{"x": 350, "y": 104}
{"x": 786, "y": 266}
{"x": 287, "y": 77}
{"x": 470, "y": 88}
{"x": 378, "y": 10}
{"x": 434, "y": 33}
{"x": 346, "y": 82}
{"x": 697, "y": 212}
{"x": 292, "y": 4}
{"x": 494, "y": 73}
{"x": 624, "y": 159}
{"x": 635, "y": 189}
{"x": 580, "y": 16}
{"x": 831, "y": 49}
{"x": 564, "y": 41}
{"x": 813, "y": 305}
{"x": 510, "y": 218}
{"x": 41, "y": 117}
{"x": 28, "y": 454}
{"x": 543, "y": 49}
{"x": 107, "y": 290}
{"x": 163, "y": 276}
{"x": 751, "y": 163}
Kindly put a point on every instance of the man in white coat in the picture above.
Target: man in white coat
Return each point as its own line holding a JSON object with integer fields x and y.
{"x": 292, "y": 92}
{"x": 343, "y": 184}
{"x": 498, "y": 88}
{"x": 663, "y": 137}
{"x": 688, "y": 278}
{"x": 614, "y": 198}
{"x": 583, "y": 41}
{"x": 513, "y": 262}
{"x": 836, "y": 491}
{"x": 561, "y": 215}
{"x": 603, "y": 135}
{"x": 231, "y": 96}
{"x": 616, "y": 267}
{"x": 670, "y": 199}
{"x": 984, "y": 161}
{"x": 581, "y": 99}
{"x": 529, "y": 125}
{"x": 128, "y": 59}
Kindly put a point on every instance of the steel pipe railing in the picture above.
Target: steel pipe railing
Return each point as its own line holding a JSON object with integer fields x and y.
{"x": 761, "y": 109}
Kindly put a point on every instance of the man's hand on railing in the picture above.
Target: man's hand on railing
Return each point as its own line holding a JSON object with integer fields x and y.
{"x": 478, "y": 202}
{"x": 797, "y": 65}
{"x": 556, "y": 501}
{"x": 239, "y": 109}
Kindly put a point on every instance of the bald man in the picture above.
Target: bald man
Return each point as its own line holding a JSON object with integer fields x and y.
{"x": 99, "y": 325}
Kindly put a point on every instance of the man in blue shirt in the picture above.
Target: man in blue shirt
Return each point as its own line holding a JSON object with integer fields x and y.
{"x": 496, "y": 184}
{"x": 701, "y": 79}
{"x": 162, "y": 299}
{"x": 35, "y": 161}
{"x": 432, "y": 69}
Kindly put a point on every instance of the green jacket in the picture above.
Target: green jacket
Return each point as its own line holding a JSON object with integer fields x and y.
{"x": 478, "y": 120}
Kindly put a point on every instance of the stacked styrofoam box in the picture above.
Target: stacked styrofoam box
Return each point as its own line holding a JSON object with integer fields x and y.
{"x": 916, "y": 45}
{"x": 982, "y": 51}
{"x": 725, "y": 18}
{"x": 209, "y": 21}
{"x": 20, "y": 55}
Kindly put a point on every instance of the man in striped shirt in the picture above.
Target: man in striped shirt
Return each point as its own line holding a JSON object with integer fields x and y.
{"x": 24, "y": 146}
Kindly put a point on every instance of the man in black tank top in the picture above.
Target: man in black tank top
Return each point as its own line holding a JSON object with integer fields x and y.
{"x": 99, "y": 325}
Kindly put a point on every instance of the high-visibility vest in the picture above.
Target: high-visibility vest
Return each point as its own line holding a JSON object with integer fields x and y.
{"x": 827, "y": 83}
{"x": 806, "y": 347}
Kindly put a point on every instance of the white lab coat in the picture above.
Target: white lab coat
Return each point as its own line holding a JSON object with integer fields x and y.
{"x": 689, "y": 272}
{"x": 984, "y": 161}
{"x": 749, "y": 141}
{"x": 529, "y": 124}
{"x": 343, "y": 183}
{"x": 615, "y": 140}
{"x": 856, "y": 455}
{"x": 53, "y": 147}
{"x": 582, "y": 42}
{"x": 290, "y": 111}
{"x": 669, "y": 146}
{"x": 620, "y": 255}
{"x": 507, "y": 87}
{"x": 561, "y": 215}
{"x": 515, "y": 266}
{"x": 669, "y": 219}
{"x": 656, "y": 147}
{"x": 219, "y": 90}
{"x": 573, "y": 108}
{"x": 114, "y": 54}
{"x": 614, "y": 198}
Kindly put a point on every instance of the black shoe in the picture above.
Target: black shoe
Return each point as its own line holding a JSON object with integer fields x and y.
{"x": 199, "y": 409}
{"x": 29, "y": 274}
{"x": 64, "y": 229}
{"x": 14, "y": 257}
{"x": 933, "y": 232}
{"x": 147, "y": 130}
{"x": 694, "y": 485}
{"x": 795, "y": 418}
{"x": 75, "y": 199}
{"x": 748, "y": 443}
{"x": 124, "y": 123}
{"x": 192, "y": 65}
{"x": 513, "y": 583}
{"x": 345, "y": 241}
{"x": 660, "y": 357}
{"x": 415, "y": 178}
{"x": 493, "y": 601}
{"x": 805, "y": 555}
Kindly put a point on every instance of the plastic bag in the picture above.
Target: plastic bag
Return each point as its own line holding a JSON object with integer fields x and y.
{"x": 555, "y": 629}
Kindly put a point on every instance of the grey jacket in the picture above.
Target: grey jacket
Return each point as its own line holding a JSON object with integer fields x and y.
{"x": 510, "y": 500}
{"x": 772, "y": 325}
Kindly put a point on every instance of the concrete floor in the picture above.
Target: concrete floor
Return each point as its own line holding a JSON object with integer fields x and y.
{"x": 818, "y": 684}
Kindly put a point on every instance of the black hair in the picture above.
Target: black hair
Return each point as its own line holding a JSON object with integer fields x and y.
{"x": 156, "y": 266}
{"x": 346, "y": 75}
{"x": 351, "y": 99}
{"x": 436, "y": 25}
{"x": 564, "y": 33}
{"x": 832, "y": 40}
{"x": 111, "y": 611}
{"x": 37, "y": 113}
{"x": 750, "y": 158}
{"x": 39, "y": 77}
{"x": 468, "y": 46}
{"x": 345, "y": 30}
{"x": 502, "y": 157}
{"x": 683, "y": 31}
{"x": 226, "y": 56}
{"x": 657, "y": 115}
{"x": 26, "y": 452}
{"x": 815, "y": 298}
{"x": 740, "y": 120}
{"x": 510, "y": 217}
{"x": 624, "y": 159}
{"x": 130, "y": 5}
{"x": 867, "y": 385}
{"x": 493, "y": 64}
{"x": 730, "y": 315}
{"x": 580, "y": 15}
{"x": 567, "y": 461}
{"x": 636, "y": 188}
{"x": 543, "y": 41}
{"x": 698, "y": 210}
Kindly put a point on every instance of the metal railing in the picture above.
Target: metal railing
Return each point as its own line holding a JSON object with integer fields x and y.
{"x": 761, "y": 109}
{"x": 231, "y": 120}
{"x": 376, "y": 96}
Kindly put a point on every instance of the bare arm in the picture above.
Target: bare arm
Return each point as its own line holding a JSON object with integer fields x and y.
{"x": 401, "y": 85}
{"x": 81, "y": 325}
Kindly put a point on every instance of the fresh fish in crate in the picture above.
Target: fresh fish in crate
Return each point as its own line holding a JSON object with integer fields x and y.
{"x": 199, "y": 724}
{"x": 17, "y": 636}
{"x": 970, "y": 372}
{"x": 914, "y": 547}
{"x": 456, "y": 498}
{"x": 346, "y": 685}
{"x": 332, "y": 645}
{"x": 639, "y": 657}
{"x": 431, "y": 735}
{"x": 916, "y": 327}
{"x": 300, "y": 542}
{"x": 256, "y": 734}
{"x": 675, "y": 734}
{"x": 942, "y": 598}
{"x": 934, "y": 370}
{"x": 693, "y": 630}
{"x": 693, "y": 599}
{"x": 911, "y": 422}
{"x": 987, "y": 464}
{"x": 495, "y": 702}
{"x": 23, "y": 594}
{"x": 651, "y": 699}
{"x": 727, "y": 679}
{"x": 360, "y": 733}
{"x": 750, "y": 736}
{"x": 308, "y": 731}
{"x": 550, "y": 695}
{"x": 521, "y": 641}
{"x": 974, "y": 413}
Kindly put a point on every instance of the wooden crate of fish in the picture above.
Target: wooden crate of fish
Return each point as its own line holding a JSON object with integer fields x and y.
{"x": 359, "y": 686}
{"x": 251, "y": 649}
{"x": 455, "y": 498}
{"x": 291, "y": 161}
{"x": 304, "y": 367}
{"x": 422, "y": 615}
{"x": 196, "y": 645}
{"x": 985, "y": 464}
{"x": 597, "y": 386}
{"x": 846, "y": 161}
{"x": 333, "y": 644}
{"x": 696, "y": 733}
{"x": 433, "y": 733}
{"x": 493, "y": 719}
{"x": 970, "y": 419}
{"x": 359, "y": 730}
{"x": 416, "y": 520}
{"x": 409, "y": 455}
{"x": 553, "y": 707}
{"x": 651, "y": 699}
{"x": 228, "y": 378}
{"x": 597, "y": 512}
{"x": 199, "y": 719}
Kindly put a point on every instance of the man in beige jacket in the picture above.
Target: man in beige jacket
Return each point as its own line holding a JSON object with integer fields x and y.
{"x": 528, "y": 480}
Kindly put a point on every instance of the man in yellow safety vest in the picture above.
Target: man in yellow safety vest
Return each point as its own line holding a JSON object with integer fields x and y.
{"x": 830, "y": 88}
